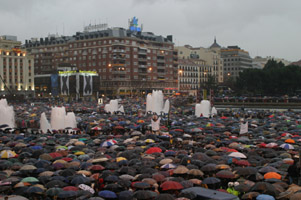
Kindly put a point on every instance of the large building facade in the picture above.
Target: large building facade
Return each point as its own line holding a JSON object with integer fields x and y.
{"x": 191, "y": 76}
{"x": 16, "y": 68}
{"x": 127, "y": 62}
{"x": 213, "y": 63}
{"x": 235, "y": 61}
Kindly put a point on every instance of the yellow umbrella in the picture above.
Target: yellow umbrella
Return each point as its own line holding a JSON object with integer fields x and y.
{"x": 149, "y": 141}
{"x": 7, "y": 154}
{"x": 79, "y": 153}
{"x": 60, "y": 161}
{"x": 120, "y": 159}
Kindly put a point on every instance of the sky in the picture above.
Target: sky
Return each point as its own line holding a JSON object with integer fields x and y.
{"x": 261, "y": 27}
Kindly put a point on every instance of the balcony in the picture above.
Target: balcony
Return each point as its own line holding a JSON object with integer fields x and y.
{"x": 119, "y": 72}
{"x": 160, "y": 60}
{"x": 118, "y": 51}
{"x": 142, "y": 66}
{"x": 142, "y": 59}
{"x": 142, "y": 52}
{"x": 142, "y": 71}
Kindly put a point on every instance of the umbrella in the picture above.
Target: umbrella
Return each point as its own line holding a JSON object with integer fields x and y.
{"x": 287, "y": 146}
{"x": 145, "y": 194}
{"x": 168, "y": 166}
{"x": 67, "y": 194}
{"x": 291, "y": 141}
{"x": 211, "y": 180}
{"x": 7, "y": 154}
{"x": 195, "y": 172}
{"x": 296, "y": 196}
{"x": 86, "y": 188}
{"x": 165, "y": 197}
{"x": 22, "y": 184}
{"x": 242, "y": 187}
{"x": 96, "y": 168}
{"x": 250, "y": 195}
{"x": 267, "y": 169}
{"x": 141, "y": 185}
{"x": 272, "y": 175}
{"x": 53, "y": 191}
{"x": 265, "y": 188}
{"x": 209, "y": 167}
{"x": 246, "y": 171}
{"x": 165, "y": 161}
{"x": 13, "y": 197}
{"x": 125, "y": 195}
{"x": 80, "y": 180}
{"x": 225, "y": 174}
{"x": 34, "y": 189}
{"x": 242, "y": 162}
{"x": 158, "y": 177}
{"x": 107, "y": 194}
{"x": 237, "y": 155}
{"x": 27, "y": 168}
{"x": 171, "y": 185}
{"x": 30, "y": 180}
{"x": 265, "y": 197}
{"x": 55, "y": 183}
{"x": 153, "y": 150}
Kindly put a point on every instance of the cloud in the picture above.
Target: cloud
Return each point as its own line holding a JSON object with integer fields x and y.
{"x": 254, "y": 25}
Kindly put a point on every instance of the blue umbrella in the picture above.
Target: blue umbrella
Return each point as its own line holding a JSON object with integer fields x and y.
{"x": 107, "y": 194}
{"x": 36, "y": 147}
{"x": 265, "y": 197}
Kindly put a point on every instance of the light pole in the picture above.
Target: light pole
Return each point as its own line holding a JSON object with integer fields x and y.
{"x": 180, "y": 73}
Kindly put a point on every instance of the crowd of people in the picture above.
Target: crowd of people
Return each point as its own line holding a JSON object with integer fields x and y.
{"x": 139, "y": 155}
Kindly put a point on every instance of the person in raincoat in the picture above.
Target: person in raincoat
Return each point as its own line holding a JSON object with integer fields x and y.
{"x": 156, "y": 124}
{"x": 231, "y": 189}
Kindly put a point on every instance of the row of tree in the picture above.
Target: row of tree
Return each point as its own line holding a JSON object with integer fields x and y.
{"x": 274, "y": 79}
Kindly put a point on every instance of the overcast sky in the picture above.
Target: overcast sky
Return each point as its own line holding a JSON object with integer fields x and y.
{"x": 262, "y": 27}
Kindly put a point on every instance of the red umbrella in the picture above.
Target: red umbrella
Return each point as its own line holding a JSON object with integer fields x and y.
{"x": 118, "y": 127}
{"x": 96, "y": 168}
{"x": 67, "y": 159}
{"x": 70, "y": 188}
{"x": 153, "y": 150}
{"x": 55, "y": 155}
{"x": 242, "y": 163}
{"x": 171, "y": 185}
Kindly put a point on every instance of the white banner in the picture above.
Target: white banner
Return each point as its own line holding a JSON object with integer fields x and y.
{"x": 65, "y": 85}
{"x": 243, "y": 128}
{"x": 87, "y": 89}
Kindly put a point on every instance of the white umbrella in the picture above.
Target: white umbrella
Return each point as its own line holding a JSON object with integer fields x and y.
{"x": 237, "y": 155}
{"x": 86, "y": 188}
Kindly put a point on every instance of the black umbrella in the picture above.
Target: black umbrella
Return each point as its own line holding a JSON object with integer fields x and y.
{"x": 165, "y": 197}
{"x": 67, "y": 194}
{"x": 145, "y": 194}
{"x": 56, "y": 183}
{"x": 80, "y": 180}
{"x": 125, "y": 195}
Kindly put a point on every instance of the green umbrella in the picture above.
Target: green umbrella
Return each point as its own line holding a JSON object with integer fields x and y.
{"x": 29, "y": 179}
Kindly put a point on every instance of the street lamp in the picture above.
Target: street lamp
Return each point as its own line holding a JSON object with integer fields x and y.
{"x": 179, "y": 75}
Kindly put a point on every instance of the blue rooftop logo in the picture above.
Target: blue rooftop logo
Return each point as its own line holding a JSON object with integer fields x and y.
{"x": 133, "y": 25}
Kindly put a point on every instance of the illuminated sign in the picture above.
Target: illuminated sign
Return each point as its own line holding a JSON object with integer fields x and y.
{"x": 133, "y": 23}
{"x": 96, "y": 27}
{"x": 73, "y": 72}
